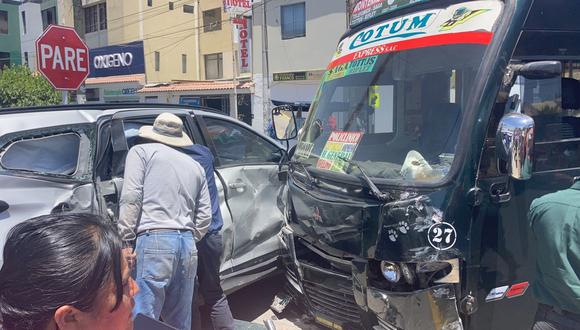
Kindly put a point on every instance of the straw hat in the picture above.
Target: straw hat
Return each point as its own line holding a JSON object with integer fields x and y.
{"x": 167, "y": 129}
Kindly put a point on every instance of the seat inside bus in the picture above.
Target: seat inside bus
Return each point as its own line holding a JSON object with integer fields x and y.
{"x": 561, "y": 125}
{"x": 440, "y": 129}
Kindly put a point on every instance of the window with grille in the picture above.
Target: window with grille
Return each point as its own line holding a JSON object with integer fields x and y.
{"x": 188, "y": 9}
{"x": 293, "y": 18}
{"x": 214, "y": 66}
{"x": 48, "y": 17}
{"x": 157, "y": 61}
{"x": 212, "y": 20}
{"x": 4, "y": 60}
{"x": 3, "y": 22}
{"x": 183, "y": 63}
{"x": 23, "y": 13}
{"x": 96, "y": 18}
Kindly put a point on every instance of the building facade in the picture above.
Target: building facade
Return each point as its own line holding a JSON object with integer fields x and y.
{"x": 167, "y": 30}
{"x": 136, "y": 43}
{"x": 301, "y": 38}
{"x": 9, "y": 34}
{"x": 164, "y": 51}
{"x": 213, "y": 44}
{"x": 214, "y": 53}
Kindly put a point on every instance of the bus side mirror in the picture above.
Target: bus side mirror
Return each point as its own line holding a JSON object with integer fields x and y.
{"x": 284, "y": 123}
{"x": 540, "y": 70}
{"x": 515, "y": 144}
{"x": 533, "y": 70}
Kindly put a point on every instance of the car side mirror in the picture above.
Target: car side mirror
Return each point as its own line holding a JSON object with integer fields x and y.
{"x": 284, "y": 123}
{"x": 3, "y": 206}
{"x": 515, "y": 144}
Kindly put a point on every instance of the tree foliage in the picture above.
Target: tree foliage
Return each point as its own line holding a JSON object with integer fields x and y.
{"x": 19, "y": 87}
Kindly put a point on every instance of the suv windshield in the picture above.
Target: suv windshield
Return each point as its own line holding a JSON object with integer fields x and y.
{"x": 393, "y": 97}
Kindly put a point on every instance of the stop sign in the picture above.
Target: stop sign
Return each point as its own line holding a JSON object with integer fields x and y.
{"x": 62, "y": 57}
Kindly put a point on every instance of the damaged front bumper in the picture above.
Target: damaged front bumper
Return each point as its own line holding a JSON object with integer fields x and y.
{"x": 432, "y": 308}
{"x": 345, "y": 300}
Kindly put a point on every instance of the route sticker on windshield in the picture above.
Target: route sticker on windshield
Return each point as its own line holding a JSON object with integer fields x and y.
{"x": 363, "y": 65}
{"x": 442, "y": 236}
{"x": 339, "y": 147}
{"x": 304, "y": 149}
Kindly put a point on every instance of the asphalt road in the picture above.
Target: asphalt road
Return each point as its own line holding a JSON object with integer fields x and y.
{"x": 252, "y": 305}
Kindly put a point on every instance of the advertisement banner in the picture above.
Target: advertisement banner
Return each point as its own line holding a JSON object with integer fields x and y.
{"x": 298, "y": 75}
{"x": 365, "y": 10}
{"x": 463, "y": 23}
{"x": 117, "y": 60}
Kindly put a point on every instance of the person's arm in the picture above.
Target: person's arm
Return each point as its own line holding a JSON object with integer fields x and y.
{"x": 536, "y": 210}
{"x": 202, "y": 211}
{"x": 131, "y": 199}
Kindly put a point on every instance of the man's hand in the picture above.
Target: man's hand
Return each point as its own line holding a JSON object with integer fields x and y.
{"x": 130, "y": 256}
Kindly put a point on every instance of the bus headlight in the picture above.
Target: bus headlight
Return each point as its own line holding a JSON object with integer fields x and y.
{"x": 391, "y": 271}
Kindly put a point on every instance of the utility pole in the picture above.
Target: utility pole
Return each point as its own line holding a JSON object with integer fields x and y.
{"x": 234, "y": 66}
{"x": 265, "y": 66}
{"x": 347, "y": 12}
{"x": 349, "y": 6}
{"x": 197, "y": 27}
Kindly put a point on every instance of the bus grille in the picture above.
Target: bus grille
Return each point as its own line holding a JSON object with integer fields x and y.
{"x": 338, "y": 306}
{"x": 386, "y": 326}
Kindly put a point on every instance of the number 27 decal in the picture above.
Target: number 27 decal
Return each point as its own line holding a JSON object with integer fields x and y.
{"x": 442, "y": 236}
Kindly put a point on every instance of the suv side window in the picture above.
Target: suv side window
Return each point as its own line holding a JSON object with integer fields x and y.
{"x": 236, "y": 145}
{"x": 55, "y": 154}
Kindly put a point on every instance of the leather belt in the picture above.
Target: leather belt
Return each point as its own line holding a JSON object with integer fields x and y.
{"x": 162, "y": 230}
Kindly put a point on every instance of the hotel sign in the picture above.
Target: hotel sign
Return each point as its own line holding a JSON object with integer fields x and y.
{"x": 243, "y": 38}
{"x": 238, "y": 7}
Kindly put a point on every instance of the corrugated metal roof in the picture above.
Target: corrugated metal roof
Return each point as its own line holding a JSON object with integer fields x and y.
{"x": 185, "y": 86}
{"x": 138, "y": 78}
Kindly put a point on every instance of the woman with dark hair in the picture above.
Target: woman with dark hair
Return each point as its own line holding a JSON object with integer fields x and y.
{"x": 65, "y": 271}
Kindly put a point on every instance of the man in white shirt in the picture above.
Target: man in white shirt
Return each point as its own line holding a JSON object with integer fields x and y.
{"x": 165, "y": 209}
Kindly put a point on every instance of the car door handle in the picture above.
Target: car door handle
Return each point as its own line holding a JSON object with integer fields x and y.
{"x": 61, "y": 208}
{"x": 237, "y": 185}
{"x": 3, "y": 206}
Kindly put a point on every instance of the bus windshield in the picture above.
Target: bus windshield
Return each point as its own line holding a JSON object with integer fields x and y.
{"x": 393, "y": 97}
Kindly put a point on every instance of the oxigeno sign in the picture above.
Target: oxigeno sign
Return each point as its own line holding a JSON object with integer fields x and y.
{"x": 116, "y": 60}
{"x": 113, "y": 60}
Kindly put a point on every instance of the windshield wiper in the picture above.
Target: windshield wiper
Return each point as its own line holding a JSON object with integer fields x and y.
{"x": 311, "y": 180}
{"x": 375, "y": 191}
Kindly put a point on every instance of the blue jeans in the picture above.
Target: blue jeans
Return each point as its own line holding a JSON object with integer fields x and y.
{"x": 165, "y": 272}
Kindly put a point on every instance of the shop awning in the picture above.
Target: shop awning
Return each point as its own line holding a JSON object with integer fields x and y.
{"x": 135, "y": 78}
{"x": 187, "y": 86}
